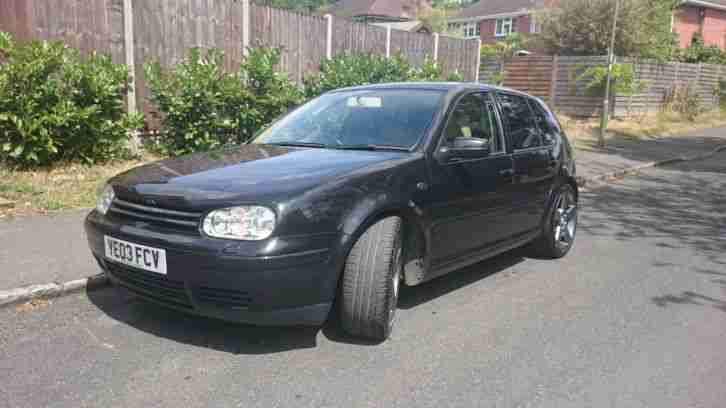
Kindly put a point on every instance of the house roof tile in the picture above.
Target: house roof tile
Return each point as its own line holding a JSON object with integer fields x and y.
{"x": 491, "y": 7}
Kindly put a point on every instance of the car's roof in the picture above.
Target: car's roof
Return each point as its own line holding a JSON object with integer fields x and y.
{"x": 448, "y": 87}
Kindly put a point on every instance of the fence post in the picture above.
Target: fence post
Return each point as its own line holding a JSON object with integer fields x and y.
{"x": 553, "y": 83}
{"x": 130, "y": 65}
{"x": 436, "y": 47}
{"x": 388, "y": 41}
{"x": 329, "y": 37}
{"x": 478, "y": 59}
{"x": 246, "y": 29}
{"x": 675, "y": 81}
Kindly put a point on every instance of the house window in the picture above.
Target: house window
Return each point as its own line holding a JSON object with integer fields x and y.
{"x": 534, "y": 27}
{"x": 505, "y": 26}
{"x": 471, "y": 30}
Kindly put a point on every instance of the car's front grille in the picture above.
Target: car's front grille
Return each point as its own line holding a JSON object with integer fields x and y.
{"x": 150, "y": 285}
{"x": 178, "y": 219}
{"x": 224, "y": 298}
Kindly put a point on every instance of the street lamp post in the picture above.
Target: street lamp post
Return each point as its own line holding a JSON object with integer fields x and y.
{"x": 611, "y": 60}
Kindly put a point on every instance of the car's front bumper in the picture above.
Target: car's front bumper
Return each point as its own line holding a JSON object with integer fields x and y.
{"x": 223, "y": 279}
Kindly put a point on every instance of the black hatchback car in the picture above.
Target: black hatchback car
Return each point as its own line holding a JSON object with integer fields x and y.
{"x": 341, "y": 201}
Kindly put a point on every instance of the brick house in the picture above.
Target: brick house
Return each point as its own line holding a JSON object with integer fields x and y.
{"x": 379, "y": 11}
{"x": 706, "y": 17}
{"x": 492, "y": 20}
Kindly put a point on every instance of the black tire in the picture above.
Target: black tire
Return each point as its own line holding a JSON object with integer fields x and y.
{"x": 554, "y": 243}
{"x": 371, "y": 280}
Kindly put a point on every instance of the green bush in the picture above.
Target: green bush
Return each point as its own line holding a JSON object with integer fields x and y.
{"x": 361, "y": 69}
{"x": 57, "y": 106}
{"x": 700, "y": 52}
{"x": 623, "y": 81}
{"x": 205, "y": 107}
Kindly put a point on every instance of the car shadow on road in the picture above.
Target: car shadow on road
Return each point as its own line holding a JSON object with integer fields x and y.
{"x": 198, "y": 331}
{"x": 413, "y": 296}
{"x": 235, "y": 338}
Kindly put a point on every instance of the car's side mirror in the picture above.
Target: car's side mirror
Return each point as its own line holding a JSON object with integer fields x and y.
{"x": 465, "y": 148}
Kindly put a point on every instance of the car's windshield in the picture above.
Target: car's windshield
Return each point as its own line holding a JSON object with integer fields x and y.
{"x": 385, "y": 118}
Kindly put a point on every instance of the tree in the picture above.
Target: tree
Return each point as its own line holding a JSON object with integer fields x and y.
{"x": 296, "y": 5}
{"x": 505, "y": 49}
{"x": 452, "y": 3}
{"x": 582, "y": 27}
{"x": 438, "y": 19}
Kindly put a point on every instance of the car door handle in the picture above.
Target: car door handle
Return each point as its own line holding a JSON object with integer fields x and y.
{"x": 506, "y": 172}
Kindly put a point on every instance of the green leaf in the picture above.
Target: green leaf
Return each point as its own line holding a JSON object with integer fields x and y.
{"x": 17, "y": 152}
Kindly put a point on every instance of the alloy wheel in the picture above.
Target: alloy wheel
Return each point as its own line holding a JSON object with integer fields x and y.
{"x": 395, "y": 286}
{"x": 565, "y": 220}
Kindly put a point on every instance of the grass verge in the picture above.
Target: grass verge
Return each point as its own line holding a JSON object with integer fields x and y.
{"x": 63, "y": 187}
{"x": 584, "y": 132}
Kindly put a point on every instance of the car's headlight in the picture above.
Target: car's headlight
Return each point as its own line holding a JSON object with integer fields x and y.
{"x": 105, "y": 199}
{"x": 250, "y": 223}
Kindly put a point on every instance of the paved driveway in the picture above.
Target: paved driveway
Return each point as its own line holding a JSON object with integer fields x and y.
{"x": 635, "y": 316}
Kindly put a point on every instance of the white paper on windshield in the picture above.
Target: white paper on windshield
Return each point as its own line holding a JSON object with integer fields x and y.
{"x": 365, "y": 102}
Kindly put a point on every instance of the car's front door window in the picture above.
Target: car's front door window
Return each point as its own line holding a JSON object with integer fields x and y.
{"x": 474, "y": 116}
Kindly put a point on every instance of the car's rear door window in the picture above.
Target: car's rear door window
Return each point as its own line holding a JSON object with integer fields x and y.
{"x": 523, "y": 131}
{"x": 545, "y": 121}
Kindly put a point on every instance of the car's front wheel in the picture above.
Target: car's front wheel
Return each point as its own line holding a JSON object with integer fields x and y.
{"x": 371, "y": 281}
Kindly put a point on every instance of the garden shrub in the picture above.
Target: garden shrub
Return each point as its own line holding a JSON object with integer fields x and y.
{"x": 205, "y": 107}
{"x": 361, "y": 69}
{"x": 58, "y": 106}
{"x": 622, "y": 80}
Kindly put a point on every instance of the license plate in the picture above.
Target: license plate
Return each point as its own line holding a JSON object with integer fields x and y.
{"x": 139, "y": 256}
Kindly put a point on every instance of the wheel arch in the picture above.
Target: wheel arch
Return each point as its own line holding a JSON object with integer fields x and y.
{"x": 415, "y": 241}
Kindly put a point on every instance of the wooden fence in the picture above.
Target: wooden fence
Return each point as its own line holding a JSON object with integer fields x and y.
{"x": 556, "y": 79}
{"x": 138, "y": 31}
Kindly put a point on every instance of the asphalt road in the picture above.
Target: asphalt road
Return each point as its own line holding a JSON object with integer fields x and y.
{"x": 635, "y": 316}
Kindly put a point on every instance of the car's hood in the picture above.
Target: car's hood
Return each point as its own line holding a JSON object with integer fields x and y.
{"x": 245, "y": 173}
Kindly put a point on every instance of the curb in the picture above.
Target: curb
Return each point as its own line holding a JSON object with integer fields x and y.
{"x": 53, "y": 290}
{"x": 50, "y": 290}
{"x": 584, "y": 181}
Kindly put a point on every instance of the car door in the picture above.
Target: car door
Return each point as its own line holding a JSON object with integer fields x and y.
{"x": 469, "y": 207}
{"x": 532, "y": 155}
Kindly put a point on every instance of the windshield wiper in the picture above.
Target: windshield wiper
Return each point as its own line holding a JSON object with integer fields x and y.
{"x": 373, "y": 147}
{"x": 299, "y": 144}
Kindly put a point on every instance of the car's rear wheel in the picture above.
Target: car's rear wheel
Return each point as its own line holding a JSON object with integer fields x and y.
{"x": 560, "y": 227}
{"x": 371, "y": 281}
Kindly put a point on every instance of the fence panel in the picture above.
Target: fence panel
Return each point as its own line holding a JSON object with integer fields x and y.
{"x": 458, "y": 56}
{"x": 165, "y": 30}
{"x": 571, "y": 94}
{"x": 416, "y": 47}
{"x": 88, "y": 25}
{"x": 490, "y": 71}
{"x": 530, "y": 74}
{"x": 301, "y": 37}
